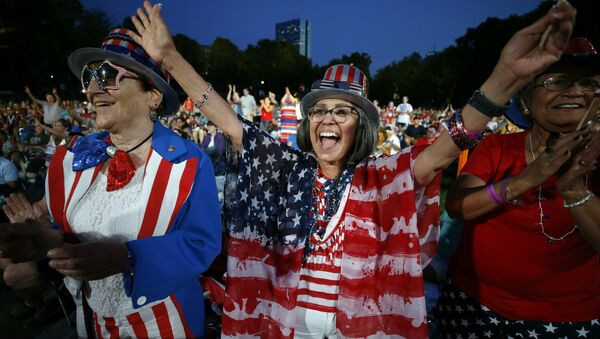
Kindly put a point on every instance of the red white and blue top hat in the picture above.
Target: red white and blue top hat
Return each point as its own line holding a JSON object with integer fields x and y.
{"x": 119, "y": 48}
{"x": 341, "y": 82}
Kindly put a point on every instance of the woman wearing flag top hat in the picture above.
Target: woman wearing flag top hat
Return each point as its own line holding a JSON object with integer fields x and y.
{"x": 135, "y": 208}
{"x": 330, "y": 241}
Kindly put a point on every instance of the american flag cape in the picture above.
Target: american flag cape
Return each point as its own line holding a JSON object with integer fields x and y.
{"x": 179, "y": 236}
{"x": 391, "y": 232}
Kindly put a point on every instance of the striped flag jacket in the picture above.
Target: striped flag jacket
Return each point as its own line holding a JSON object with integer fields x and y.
{"x": 179, "y": 236}
{"x": 391, "y": 232}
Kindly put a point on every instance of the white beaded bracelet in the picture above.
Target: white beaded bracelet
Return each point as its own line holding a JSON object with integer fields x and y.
{"x": 579, "y": 202}
{"x": 204, "y": 96}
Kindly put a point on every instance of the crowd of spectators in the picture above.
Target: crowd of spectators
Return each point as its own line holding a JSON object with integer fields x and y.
{"x": 31, "y": 129}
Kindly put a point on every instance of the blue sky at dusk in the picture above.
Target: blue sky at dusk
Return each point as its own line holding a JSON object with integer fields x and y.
{"x": 386, "y": 30}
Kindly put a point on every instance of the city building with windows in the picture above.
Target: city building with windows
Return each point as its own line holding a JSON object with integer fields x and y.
{"x": 296, "y": 32}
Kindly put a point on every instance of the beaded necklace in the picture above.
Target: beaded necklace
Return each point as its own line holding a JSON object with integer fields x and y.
{"x": 332, "y": 190}
{"x": 551, "y": 239}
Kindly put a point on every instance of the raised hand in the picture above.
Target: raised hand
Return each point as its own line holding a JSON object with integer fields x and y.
{"x": 89, "y": 261}
{"x": 18, "y": 209}
{"x": 27, "y": 90}
{"x": 523, "y": 59}
{"x": 153, "y": 34}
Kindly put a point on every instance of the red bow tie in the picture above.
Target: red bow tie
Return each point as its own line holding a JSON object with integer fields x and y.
{"x": 120, "y": 171}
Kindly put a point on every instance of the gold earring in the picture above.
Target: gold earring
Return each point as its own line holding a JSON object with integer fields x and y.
{"x": 153, "y": 115}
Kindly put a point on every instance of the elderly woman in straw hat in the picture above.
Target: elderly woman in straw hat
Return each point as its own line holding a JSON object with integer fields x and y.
{"x": 135, "y": 207}
{"x": 329, "y": 241}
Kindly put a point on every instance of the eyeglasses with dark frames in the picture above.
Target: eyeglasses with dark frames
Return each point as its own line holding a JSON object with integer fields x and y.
{"x": 340, "y": 114}
{"x": 560, "y": 83}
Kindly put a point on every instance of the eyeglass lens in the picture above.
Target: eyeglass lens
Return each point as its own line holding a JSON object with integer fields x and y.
{"x": 561, "y": 83}
{"x": 339, "y": 114}
{"x": 103, "y": 73}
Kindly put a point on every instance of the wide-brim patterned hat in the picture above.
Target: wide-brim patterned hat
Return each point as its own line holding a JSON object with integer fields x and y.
{"x": 580, "y": 53}
{"x": 119, "y": 48}
{"x": 341, "y": 82}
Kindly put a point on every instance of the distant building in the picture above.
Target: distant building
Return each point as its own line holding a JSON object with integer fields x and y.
{"x": 296, "y": 32}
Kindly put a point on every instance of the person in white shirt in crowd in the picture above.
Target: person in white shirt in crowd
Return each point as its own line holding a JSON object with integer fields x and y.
{"x": 248, "y": 105}
{"x": 392, "y": 140}
{"x": 405, "y": 107}
{"x": 52, "y": 105}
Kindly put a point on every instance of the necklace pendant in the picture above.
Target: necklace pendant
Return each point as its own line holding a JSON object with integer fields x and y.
{"x": 111, "y": 150}
{"x": 550, "y": 241}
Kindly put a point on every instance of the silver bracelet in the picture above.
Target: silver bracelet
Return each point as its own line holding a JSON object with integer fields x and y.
{"x": 204, "y": 96}
{"x": 579, "y": 202}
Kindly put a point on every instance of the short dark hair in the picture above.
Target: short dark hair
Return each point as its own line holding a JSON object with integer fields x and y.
{"x": 66, "y": 123}
{"x": 364, "y": 142}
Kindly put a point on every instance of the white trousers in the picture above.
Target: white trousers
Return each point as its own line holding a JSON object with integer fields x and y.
{"x": 314, "y": 324}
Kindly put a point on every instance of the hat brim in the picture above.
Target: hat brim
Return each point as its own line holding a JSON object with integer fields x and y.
{"x": 313, "y": 97}
{"x": 576, "y": 60}
{"x": 83, "y": 56}
{"x": 515, "y": 115}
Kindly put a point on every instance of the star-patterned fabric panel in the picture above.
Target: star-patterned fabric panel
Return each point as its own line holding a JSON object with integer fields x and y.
{"x": 390, "y": 232}
{"x": 458, "y": 316}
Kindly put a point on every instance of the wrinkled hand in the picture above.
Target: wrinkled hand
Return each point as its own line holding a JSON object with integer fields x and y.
{"x": 572, "y": 183}
{"x": 523, "y": 59}
{"x": 89, "y": 261}
{"x": 154, "y": 35}
{"x": 18, "y": 209}
{"x": 548, "y": 163}
{"x": 28, "y": 241}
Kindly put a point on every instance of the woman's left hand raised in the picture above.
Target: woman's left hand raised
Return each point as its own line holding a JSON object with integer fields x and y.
{"x": 153, "y": 34}
{"x": 89, "y": 261}
{"x": 522, "y": 58}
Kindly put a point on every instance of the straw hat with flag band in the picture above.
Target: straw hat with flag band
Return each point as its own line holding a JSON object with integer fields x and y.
{"x": 119, "y": 48}
{"x": 341, "y": 82}
{"x": 579, "y": 53}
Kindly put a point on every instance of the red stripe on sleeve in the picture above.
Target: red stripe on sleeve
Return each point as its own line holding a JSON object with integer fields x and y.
{"x": 155, "y": 199}
{"x": 162, "y": 320}
{"x": 137, "y": 323}
{"x": 185, "y": 186}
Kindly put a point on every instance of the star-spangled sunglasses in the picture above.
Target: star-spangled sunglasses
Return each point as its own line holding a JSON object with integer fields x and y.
{"x": 106, "y": 74}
